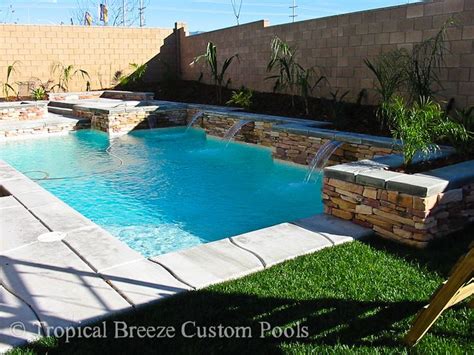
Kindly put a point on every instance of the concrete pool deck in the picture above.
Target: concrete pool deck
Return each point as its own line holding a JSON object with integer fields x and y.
{"x": 81, "y": 273}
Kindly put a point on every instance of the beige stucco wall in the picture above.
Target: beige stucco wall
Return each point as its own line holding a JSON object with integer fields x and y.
{"x": 101, "y": 51}
{"x": 339, "y": 44}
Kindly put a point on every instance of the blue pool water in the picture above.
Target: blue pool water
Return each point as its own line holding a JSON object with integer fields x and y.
{"x": 175, "y": 189}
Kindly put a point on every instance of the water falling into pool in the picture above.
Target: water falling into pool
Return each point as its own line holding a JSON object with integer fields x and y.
{"x": 196, "y": 116}
{"x": 230, "y": 134}
{"x": 321, "y": 158}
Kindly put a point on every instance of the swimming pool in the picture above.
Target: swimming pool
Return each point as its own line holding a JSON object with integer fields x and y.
{"x": 167, "y": 189}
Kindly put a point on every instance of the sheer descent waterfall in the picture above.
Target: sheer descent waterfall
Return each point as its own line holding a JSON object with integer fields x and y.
{"x": 321, "y": 158}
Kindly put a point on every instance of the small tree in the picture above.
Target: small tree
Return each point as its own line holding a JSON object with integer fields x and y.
{"x": 217, "y": 73}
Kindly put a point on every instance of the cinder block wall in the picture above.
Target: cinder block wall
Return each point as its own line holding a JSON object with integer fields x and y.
{"x": 101, "y": 51}
{"x": 339, "y": 44}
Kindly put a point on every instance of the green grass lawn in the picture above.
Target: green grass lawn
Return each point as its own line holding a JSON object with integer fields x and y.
{"x": 359, "y": 297}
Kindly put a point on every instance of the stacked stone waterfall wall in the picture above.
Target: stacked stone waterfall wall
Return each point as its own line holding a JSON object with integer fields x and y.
{"x": 402, "y": 217}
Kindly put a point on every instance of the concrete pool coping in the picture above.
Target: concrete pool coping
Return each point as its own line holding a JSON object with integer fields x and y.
{"x": 89, "y": 274}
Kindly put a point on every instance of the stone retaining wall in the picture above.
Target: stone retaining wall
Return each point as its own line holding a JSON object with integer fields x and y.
{"x": 22, "y": 112}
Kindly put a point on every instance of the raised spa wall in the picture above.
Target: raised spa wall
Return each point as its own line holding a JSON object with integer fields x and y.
{"x": 22, "y": 111}
{"x": 411, "y": 209}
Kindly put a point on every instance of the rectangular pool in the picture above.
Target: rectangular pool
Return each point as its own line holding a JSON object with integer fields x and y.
{"x": 167, "y": 189}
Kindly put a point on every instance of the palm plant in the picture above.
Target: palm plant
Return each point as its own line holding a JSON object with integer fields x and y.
{"x": 217, "y": 74}
{"x": 307, "y": 82}
{"x": 390, "y": 71}
{"x": 6, "y": 86}
{"x": 66, "y": 74}
{"x": 425, "y": 62}
{"x": 138, "y": 71}
{"x": 283, "y": 58}
{"x": 421, "y": 126}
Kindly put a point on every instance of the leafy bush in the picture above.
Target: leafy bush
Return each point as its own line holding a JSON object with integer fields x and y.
{"x": 39, "y": 93}
{"x": 421, "y": 126}
{"x": 241, "y": 98}
{"x": 217, "y": 74}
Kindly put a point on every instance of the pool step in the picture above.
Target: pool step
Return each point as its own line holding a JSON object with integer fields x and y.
{"x": 61, "y": 111}
{"x": 62, "y": 104}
